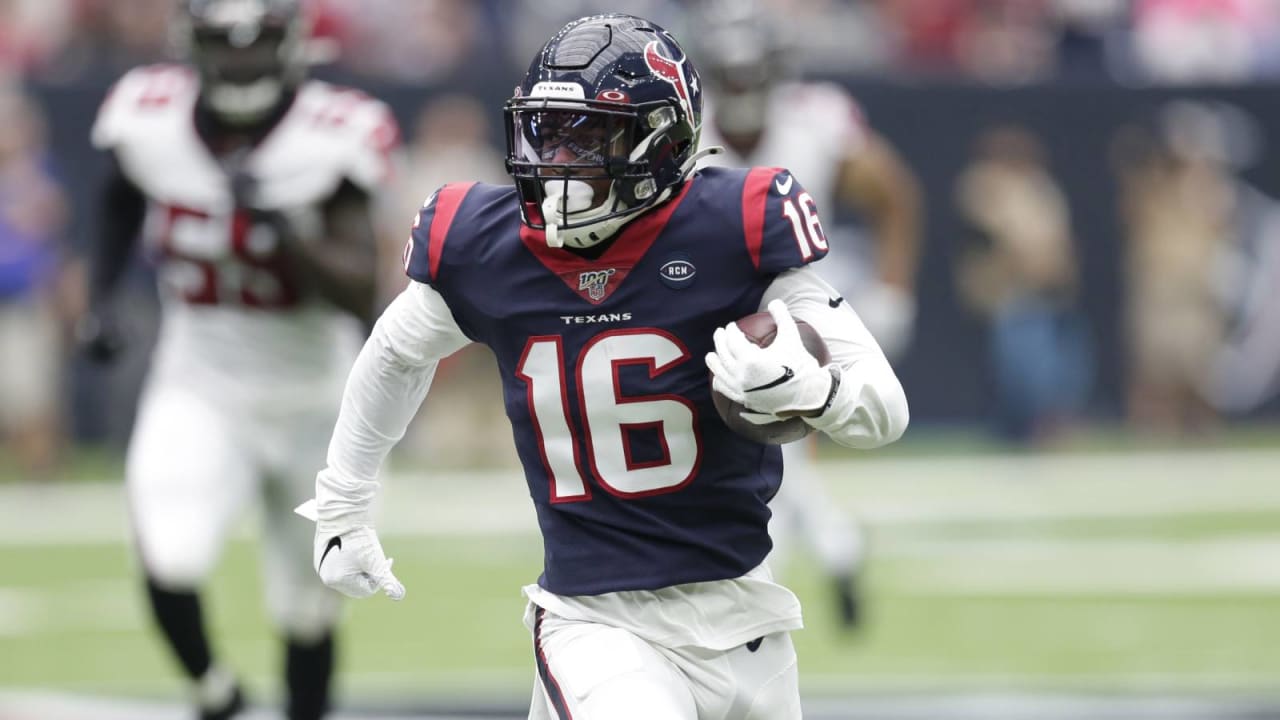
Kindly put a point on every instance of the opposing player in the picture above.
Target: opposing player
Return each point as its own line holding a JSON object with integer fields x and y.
{"x": 251, "y": 187}
{"x": 606, "y": 282}
{"x": 763, "y": 118}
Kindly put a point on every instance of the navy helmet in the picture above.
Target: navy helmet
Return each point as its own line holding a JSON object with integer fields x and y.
{"x": 249, "y": 53}
{"x": 604, "y": 126}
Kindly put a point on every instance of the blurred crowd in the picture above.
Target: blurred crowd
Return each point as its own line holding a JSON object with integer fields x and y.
{"x": 993, "y": 41}
{"x": 1200, "y": 271}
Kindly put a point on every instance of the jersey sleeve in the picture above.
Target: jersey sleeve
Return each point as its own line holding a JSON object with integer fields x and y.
{"x": 780, "y": 221}
{"x": 374, "y": 146}
{"x": 133, "y": 94}
{"x": 870, "y": 406}
{"x": 425, "y": 248}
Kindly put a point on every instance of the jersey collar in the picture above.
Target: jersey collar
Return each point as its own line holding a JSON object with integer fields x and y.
{"x": 595, "y": 279}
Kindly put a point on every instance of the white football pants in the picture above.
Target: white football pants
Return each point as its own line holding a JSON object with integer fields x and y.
{"x": 590, "y": 671}
{"x": 193, "y": 469}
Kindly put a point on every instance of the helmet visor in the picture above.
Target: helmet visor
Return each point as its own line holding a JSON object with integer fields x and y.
{"x": 570, "y": 138}
{"x": 241, "y": 54}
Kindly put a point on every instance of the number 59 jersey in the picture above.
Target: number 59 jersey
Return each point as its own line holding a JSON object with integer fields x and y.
{"x": 637, "y": 482}
{"x": 234, "y": 321}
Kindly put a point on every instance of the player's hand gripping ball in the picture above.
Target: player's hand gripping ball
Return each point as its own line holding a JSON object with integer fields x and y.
{"x": 798, "y": 380}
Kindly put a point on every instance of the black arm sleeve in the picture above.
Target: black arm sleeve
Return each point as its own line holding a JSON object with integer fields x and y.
{"x": 120, "y": 216}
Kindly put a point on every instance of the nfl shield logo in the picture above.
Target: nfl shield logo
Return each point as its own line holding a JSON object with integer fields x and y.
{"x": 594, "y": 283}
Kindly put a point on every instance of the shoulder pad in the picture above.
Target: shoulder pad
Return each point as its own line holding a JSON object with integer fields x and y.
{"x": 430, "y": 230}
{"x": 140, "y": 91}
{"x": 365, "y": 126}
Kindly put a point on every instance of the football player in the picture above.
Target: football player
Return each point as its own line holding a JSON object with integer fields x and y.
{"x": 250, "y": 187}
{"x": 816, "y": 130}
{"x": 606, "y": 282}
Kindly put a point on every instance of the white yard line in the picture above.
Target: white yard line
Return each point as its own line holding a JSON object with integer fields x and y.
{"x": 61, "y": 609}
{"x": 886, "y": 492}
{"x": 1239, "y": 564}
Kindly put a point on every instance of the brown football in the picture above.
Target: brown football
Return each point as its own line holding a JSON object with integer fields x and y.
{"x": 760, "y": 329}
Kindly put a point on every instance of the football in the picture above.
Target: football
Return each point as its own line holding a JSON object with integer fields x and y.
{"x": 760, "y": 329}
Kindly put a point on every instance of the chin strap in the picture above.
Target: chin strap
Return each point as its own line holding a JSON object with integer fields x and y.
{"x": 607, "y": 228}
{"x": 689, "y": 164}
{"x": 603, "y": 229}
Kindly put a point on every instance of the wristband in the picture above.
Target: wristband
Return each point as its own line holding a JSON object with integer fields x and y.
{"x": 835, "y": 389}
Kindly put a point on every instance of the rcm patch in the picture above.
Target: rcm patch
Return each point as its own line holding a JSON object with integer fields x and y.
{"x": 678, "y": 272}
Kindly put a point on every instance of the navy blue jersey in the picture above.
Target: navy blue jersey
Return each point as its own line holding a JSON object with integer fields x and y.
{"x": 637, "y": 482}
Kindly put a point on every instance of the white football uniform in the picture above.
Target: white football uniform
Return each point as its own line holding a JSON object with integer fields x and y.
{"x": 810, "y": 128}
{"x": 247, "y": 374}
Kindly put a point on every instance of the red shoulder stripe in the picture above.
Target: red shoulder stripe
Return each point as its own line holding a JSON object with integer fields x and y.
{"x": 754, "y": 191}
{"x": 447, "y": 202}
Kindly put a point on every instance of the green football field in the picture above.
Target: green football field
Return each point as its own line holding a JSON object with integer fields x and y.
{"x": 1154, "y": 571}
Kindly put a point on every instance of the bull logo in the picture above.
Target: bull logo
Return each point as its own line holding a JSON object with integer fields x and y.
{"x": 671, "y": 71}
{"x": 594, "y": 283}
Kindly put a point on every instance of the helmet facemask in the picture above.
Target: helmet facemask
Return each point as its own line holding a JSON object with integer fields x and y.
{"x": 248, "y": 58}
{"x": 583, "y": 168}
{"x": 743, "y": 87}
{"x": 743, "y": 60}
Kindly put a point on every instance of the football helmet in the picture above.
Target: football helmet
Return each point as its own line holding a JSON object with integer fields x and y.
{"x": 744, "y": 54}
{"x": 604, "y": 126}
{"x": 249, "y": 53}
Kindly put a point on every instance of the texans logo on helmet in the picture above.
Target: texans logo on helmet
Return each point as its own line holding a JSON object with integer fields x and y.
{"x": 669, "y": 70}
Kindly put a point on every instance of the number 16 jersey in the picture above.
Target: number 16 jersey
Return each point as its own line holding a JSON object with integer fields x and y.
{"x": 637, "y": 483}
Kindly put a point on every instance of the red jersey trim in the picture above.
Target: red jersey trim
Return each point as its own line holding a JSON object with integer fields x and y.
{"x": 448, "y": 201}
{"x": 633, "y": 242}
{"x": 754, "y": 192}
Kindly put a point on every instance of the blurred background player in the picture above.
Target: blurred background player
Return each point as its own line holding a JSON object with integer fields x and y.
{"x": 763, "y": 118}
{"x": 251, "y": 187}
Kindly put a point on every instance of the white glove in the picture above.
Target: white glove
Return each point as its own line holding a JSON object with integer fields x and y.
{"x": 781, "y": 380}
{"x": 350, "y": 560}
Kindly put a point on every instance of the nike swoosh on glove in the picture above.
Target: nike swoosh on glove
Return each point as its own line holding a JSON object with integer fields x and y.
{"x": 781, "y": 380}
{"x": 351, "y": 561}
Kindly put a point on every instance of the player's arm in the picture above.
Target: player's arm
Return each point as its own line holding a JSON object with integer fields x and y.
{"x": 386, "y": 386}
{"x": 341, "y": 265}
{"x": 121, "y": 211}
{"x": 856, "y": 399}
{"x": 866, "y": 406}
{"x": 875, "y": 181}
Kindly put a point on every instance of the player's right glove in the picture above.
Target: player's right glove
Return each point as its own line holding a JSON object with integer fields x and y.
{"x": 349, "y": 559}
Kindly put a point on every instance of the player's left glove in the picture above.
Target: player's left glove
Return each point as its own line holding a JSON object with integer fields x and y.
{"x": 350, "y": 559}
{"x": 780, "y": 380}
